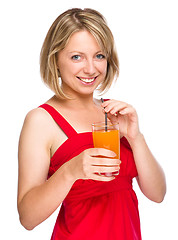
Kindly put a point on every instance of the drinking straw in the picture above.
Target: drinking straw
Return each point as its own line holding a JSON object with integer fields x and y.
{"x": 106, "y": 120}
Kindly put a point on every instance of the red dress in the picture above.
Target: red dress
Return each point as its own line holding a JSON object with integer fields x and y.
{"x": 95, "y": 210}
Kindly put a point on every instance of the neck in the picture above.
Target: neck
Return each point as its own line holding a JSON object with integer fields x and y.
{"x": 79, "y": 102}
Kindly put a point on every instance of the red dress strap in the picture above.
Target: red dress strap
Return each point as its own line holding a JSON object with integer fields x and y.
{"x": 60, "y": 120}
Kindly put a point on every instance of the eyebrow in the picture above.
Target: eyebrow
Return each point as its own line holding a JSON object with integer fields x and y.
{"x": 83, "y": 52}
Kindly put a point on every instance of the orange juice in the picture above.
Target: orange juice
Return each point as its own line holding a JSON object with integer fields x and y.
{"x": 107, "y": 137}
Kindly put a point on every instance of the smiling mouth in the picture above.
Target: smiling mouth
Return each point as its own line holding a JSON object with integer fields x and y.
{"x": 87, "y": 80}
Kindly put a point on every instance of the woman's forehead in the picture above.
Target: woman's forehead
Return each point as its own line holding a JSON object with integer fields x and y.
{"x": 82, "y": 41}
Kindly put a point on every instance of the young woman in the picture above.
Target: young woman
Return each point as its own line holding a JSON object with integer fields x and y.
{"x": 58, "y": 163}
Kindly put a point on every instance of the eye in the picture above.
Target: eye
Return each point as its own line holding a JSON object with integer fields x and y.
{"x": 76, "y": 57}
{"x": 100, "y": 56}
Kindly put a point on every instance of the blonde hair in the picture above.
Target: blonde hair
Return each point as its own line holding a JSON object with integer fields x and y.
{"x": 69, "y": 22}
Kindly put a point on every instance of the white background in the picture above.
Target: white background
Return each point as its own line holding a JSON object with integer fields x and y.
{"x": 146, "y": 35}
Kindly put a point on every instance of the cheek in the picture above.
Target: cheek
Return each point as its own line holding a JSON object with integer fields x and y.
{"x": 75, "y": 68}
{"x": 103, "y": 68}
{"x": 72, "y": 68}
{"x": 66, "y": 69}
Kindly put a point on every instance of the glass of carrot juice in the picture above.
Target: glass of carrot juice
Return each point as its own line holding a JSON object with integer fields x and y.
{"x": 107, "y": 136}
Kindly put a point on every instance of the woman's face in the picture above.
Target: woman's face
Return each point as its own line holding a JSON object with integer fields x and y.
{"x": 82, "y": 64}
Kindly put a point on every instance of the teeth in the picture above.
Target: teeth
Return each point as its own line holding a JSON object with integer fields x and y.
{"x": 87, "y": 80}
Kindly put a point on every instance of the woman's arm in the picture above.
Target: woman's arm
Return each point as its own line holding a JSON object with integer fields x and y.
{"x": 38, "y": 197}
{"x": 151, "y": 177}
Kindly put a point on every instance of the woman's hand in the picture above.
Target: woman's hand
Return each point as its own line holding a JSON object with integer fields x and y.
{"x": 125, "y": 115}
{"x": 91, "y": 162}
{"x": 151, "y": 177}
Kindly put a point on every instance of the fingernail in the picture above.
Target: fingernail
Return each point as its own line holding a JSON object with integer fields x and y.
{"x": 114, "y": 154}
{"x": 122, "y": 112}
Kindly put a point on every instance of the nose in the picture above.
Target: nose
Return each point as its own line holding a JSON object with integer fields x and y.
{"x": 89, "y": 67}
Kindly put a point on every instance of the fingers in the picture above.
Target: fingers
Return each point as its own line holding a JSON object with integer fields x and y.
{"x": 100, "y": 157}
{"x": 109, "y": 166}
{"x": 113, "y": 107}
{"x": 127, "y": 110}
{"x": 103, "y": 178}
{"x": 94, "y": 152}
{"x": 104, "y": 169}
{"x": 100, "y": 161}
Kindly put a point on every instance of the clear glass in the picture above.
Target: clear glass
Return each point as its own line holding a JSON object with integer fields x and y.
{"x": 107, "y": 136}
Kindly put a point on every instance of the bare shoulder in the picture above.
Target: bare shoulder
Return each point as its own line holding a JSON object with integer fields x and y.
{"x": 37, "y": 125}
{"x": 34, "y": 150}
{"x": 37, "y": 116}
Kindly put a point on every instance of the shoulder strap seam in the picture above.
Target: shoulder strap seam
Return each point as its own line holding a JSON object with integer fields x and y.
{"x": 60, "y": 120}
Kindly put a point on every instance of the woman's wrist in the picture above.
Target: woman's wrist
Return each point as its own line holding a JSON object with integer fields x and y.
{"x": 137, "y": 140}
{"x": 68, "y": 176}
